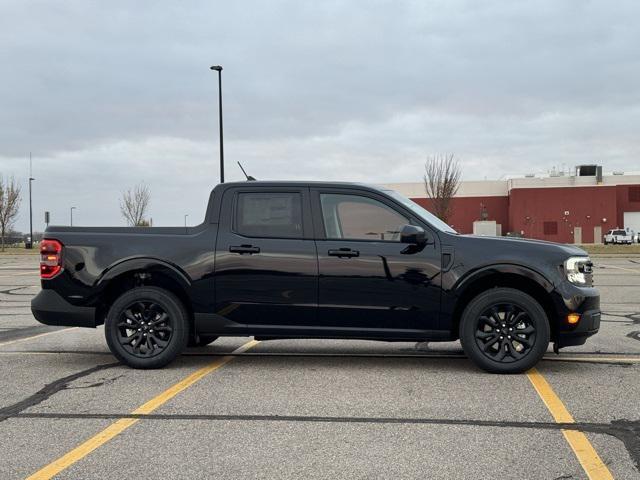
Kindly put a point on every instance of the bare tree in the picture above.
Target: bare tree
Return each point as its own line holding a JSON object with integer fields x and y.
{"x": 9, "y": 205}
{"x": 441, "y": 181}
{"x": 134, "y": 204}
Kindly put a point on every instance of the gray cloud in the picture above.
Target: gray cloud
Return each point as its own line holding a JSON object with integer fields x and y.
{"x": 110, "y": 93}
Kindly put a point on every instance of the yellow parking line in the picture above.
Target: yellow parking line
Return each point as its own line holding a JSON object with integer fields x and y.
{"x": 595, "y": 359}
{"x": 121, "y": 425}
{"x": 578, "y": 441}
{"x": 37, "y": 336}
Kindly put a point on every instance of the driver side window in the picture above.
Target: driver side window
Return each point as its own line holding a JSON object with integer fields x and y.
{"x": 355, "y": 217}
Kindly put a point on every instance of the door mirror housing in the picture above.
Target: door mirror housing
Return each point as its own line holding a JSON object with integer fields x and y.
{"x": 413, "y": 235}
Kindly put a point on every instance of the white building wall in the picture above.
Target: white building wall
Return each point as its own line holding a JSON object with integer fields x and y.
{"x": 501, "y": 188}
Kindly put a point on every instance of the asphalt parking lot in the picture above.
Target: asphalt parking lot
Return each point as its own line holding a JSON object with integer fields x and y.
{"x": 316, "y": 409}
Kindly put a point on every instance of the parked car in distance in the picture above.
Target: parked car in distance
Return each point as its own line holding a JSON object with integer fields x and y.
{"x": 618, "y": 236}
{"x": 316, "y": 260}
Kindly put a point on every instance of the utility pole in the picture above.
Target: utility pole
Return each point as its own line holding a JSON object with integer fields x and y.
{"x": 71, "y": 211}
{"x": 218, "y": 69}
{"x": 31, "y": 179}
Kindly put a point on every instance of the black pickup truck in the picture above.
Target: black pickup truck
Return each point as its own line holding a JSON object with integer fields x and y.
{"x": 316, "y": 260}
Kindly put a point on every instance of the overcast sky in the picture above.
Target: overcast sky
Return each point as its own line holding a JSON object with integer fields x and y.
{"x": 109, "y": 94}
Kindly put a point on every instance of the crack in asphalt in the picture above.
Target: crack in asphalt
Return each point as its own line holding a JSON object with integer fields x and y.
{"x": 26, "y": 332}
{"x": 48, "y": 390}
{"x": 9, "y": 291}
{"x": 581, "y": 357}
{"x": 635, "y": 335}
{"x": 634, "y": 317}
{"x": 627, "y": 431}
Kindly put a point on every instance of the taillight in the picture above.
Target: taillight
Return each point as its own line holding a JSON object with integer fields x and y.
{"x": 50, "y": 258}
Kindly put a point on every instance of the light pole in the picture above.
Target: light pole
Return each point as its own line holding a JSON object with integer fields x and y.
{"x": 71, "y": 211}
{"x": 218, "y": 69}
{"x": 185, "y": 219}
{"x": 31, "y": 179}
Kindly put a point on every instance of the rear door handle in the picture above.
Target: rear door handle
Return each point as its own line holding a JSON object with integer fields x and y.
{"x": 242, "y": 249}
{"x": 344, "y": 253}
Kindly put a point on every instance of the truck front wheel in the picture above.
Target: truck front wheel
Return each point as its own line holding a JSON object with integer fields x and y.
{"x": 504, "y": 330}
{"x": 147, "y": 327}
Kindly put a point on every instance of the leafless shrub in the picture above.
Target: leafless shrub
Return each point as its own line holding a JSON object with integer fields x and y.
{"x": 134, "y": 204}
{"x": 441, "y": 182}
{"x": 9, "y": 205}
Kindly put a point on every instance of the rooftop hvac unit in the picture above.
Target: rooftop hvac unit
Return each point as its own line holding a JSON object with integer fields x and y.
{"x": 618, "y": 172}
{"x": 590, "y": 171}
{"x": 529, "y": 175}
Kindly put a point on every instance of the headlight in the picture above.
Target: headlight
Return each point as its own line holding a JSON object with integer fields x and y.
{"x": 578, "y": 270}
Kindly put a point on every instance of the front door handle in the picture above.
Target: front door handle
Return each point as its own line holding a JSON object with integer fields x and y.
{"x": 242, "y": 249}
{"x": 344, "y": 253}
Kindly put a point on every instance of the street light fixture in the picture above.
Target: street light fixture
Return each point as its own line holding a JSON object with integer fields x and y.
{"x": 71, "y": 211}
{"x": 218, "y": 69}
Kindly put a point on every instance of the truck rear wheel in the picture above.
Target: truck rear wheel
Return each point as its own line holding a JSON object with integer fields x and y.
{"x": 147, "y": 327}
{"x": 504, "y": 330}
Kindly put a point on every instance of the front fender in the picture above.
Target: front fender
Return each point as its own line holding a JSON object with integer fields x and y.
{"x": 488, "y": 270}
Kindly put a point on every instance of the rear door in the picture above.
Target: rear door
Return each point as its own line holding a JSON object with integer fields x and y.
{"x": 369, "y": 283}
{"x": 266, "y": 261}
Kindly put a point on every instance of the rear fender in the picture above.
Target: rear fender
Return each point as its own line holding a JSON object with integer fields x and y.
{"x": 146, "y": 265}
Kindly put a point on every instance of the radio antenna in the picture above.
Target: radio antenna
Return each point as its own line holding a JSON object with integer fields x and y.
{"x": 249, "y": 177}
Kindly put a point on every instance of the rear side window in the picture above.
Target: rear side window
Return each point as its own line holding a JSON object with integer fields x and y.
{"x": 360, "y": 218}
{"x": 620, "y": 232}
{"x": 272, "y": 214}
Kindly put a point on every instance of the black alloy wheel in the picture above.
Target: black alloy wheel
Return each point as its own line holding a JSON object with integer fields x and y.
{"x": 505, "y": 333}
{"x": 504, "y": 330}
{"x": 144, "y": 329}
{"x": 147, "y": 327}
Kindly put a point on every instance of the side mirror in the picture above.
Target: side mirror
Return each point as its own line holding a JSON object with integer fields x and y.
{"x": 413, "y": 235}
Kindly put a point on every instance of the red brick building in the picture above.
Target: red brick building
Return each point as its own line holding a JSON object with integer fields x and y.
{"x": 560, "y": 208}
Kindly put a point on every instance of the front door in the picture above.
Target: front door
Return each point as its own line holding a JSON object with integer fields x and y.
{"x": 266, "y": 263}
{"x": 597, "y": 234}
{"x": 368, "y": 280}
{"x": 577, "y": 235}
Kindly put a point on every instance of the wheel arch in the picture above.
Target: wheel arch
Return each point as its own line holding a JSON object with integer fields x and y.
{"x": 510, "y": 276}
{"x": 141, "y": 271}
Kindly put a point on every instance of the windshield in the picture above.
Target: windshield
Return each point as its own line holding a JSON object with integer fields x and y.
{"x": 423, "y": 213}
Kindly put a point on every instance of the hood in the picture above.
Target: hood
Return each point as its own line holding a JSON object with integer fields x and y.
{"x": 531, "y": 244}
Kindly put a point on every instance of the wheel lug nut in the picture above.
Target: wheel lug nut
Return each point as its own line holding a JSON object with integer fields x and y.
{"x": 501, "y": 337}
{"x": 509, "y": 337}
{"x": 504, "y": 324}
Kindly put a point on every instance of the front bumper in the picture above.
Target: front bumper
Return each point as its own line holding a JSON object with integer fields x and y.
{"x": 584, "y": 301}
{"x": 51, "y": 308}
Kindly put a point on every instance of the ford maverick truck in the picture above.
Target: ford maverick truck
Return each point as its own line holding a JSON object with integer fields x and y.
{"x": 279, "y": 260}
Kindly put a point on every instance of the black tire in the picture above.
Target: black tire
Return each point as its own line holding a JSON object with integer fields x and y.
{"x": 202, "y": 340}
{"x": 499, "y": 322}
{"x": 147, "y": 327}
